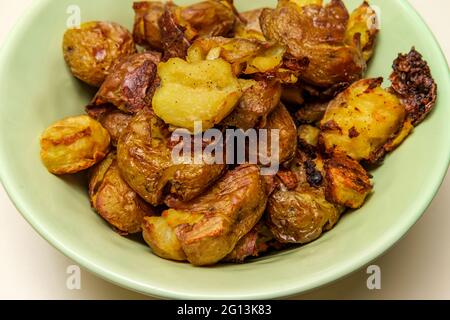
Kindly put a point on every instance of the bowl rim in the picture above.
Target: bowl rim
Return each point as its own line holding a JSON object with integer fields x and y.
{"x": 383, "y": 245}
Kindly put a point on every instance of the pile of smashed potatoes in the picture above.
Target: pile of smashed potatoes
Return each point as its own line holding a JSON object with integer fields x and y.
{"x": 298, "y": 68}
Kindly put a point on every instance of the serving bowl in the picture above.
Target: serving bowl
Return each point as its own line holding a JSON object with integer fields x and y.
{"x": 36, "y": 89}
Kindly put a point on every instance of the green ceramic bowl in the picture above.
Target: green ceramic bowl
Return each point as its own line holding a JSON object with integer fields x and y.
{"x": 36, "y": 89}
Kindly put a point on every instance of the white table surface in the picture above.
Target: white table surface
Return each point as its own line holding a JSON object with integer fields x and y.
{"x": 418, "y": 267}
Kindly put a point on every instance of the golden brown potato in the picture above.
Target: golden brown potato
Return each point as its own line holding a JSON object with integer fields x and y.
{"x": 347, "y": 182}
{"x": 360, "y": 120}
{"x": 128, "y": 86}
{"x": 302, "y": 214}
{"x": 146, "y": 31}
{"x": 245, "y": 55}
{"x": 73, "y": 144}
{"x": 250, "y": 28}
{"x": 230, "y": 210}
{"x": 308, "y": 135}
{"x": 316, "y": 33}
{"x": 204, "y": 91}
{"x": 144, "y": 155}
{"x": 114, "y": 200}
{"x": 280, "y": 119}
{"x": 159, "y": 233}
{"x": 91, "y": 50}
{"x": 256, "y": 103}
{"x": 113, "y": 120}
{"x": 363, "y": 21}
{"x": 413, "y": 83}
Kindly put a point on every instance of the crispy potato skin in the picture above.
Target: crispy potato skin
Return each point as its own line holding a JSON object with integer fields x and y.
{"x": 301, "y": 215}
{"x": 128, "y": 86}
{"x": 363, "y": 21}
{"x": 114, "y": 200}
{"x": 115, "y": 122}
{"x": 256, "y": 103}
{"x": 312, "y": 112}
{"x": 360, "y": 120}
{"x": 316, "y": 33}
{"x": 230, "y": 210}
{"x": 347, "y": 182}
{"x": 145, "y": 161}
{"x": 204, "y": 91}
{"x": 249, "y": 28}
{"x": 413, "y": 83}
{"x": 280, "y": 119}
{"x": 73, "y": 144}
{"x": 92, "y": 50}
{"x": 146, "y": 31}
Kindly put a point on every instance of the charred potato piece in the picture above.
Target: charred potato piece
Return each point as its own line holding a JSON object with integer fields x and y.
{"x": 363, "y": 21}
{"x": 347, "y": 182}
{"x": 245, "y": 55}
{"x": 250, "y": 28}
{"x": 91, "y": 50}
{"x": 73, "y": 144}
{"x": 146, "y": 31}
{"x": 204, "y": 91}
{"x": 413, "y": 83}
{"x": 301, "y": 215}
{"x": 144, "y": 156}
{"x": 256, "y": 103}
{"x": 230, "y": 210}
{"x": 128, "y": 86}
{"x": 159, "y": 233}
{"x": 360, "y": 120}
{"x": 316, "y": 33}
{"x": 292, "y": 95}
{"x": 114, "y": 200}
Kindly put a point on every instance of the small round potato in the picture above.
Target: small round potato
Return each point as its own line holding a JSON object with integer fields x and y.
{"x": 91, "y": 50}
{"x": 73, "y": 144}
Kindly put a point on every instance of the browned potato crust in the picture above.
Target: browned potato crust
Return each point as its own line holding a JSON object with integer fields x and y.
{"x": 230, "y": 210}
{"x": 361, "y": 120}
{"x": 256, "y": 103}
{"x": 317, "y": 33}
{"x": 115, "y": 122}
{"x": 128, "y": 86}
{"x": 114, "y": 200}
{"x": 312, "y": 112}
{"x": 91, "y": 50}
{"x": 413, "y": 83}
{"x": 347, "y": 182}
{"x": 146, "y": 31}
{"x": 144, "y": 156}
{"x": 73, "y": 144}
{"x": 249, "y": 28}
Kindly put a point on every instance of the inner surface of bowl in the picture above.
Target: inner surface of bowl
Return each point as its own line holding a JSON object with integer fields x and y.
{"x": 36, "y": 89}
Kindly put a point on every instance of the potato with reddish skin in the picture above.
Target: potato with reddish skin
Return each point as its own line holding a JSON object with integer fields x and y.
{"x": 114, "y": 200}
{"x": 129, "y": 84}
{"x": 144, "y": 156}
{"x": 257, "y": 102}
{"x": 230, "y": 210}
{"x": 92, "y": 50}
{"x": 146, "y": 30}
{"x": 73, "y": 144}
{"x": 317, "y": 33}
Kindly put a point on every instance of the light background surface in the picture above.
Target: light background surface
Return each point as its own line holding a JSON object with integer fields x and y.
{"x": 418, "y": 267}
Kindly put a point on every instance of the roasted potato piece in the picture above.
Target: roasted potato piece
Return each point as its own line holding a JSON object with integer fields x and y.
{"x": 280, "y": 119}
{"x": 312, "y": 112}
{"x": 363, "y": 21}
{"x": 257, "y": 102}
{"x": 308, "y": 135}
{"x": 113, "y": 120}
{"x": 245, "y": 55}
{"x": 250, "y": 28}
{"x": 129, "y": 84}
{"x": 73, "y": 144}
{"x": 347, "y": 182}
{"x": 144, "y": 156}
{"x": 205, "y": 91}
{"x": 316, "y": 33}
{"x": 303, "y": 214}
{"x": 413, "y": 83}
{"x": 114, "y": 200}
{"x": 292, "y": 95}
{"x": 146, "y": 31}
{"x": 230, "y": 210}
{"x": 159, "y": 233}
{"x": 304, "y": 3}
{"x": 360, "y": 120}
{"x": 91, "y": 50}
